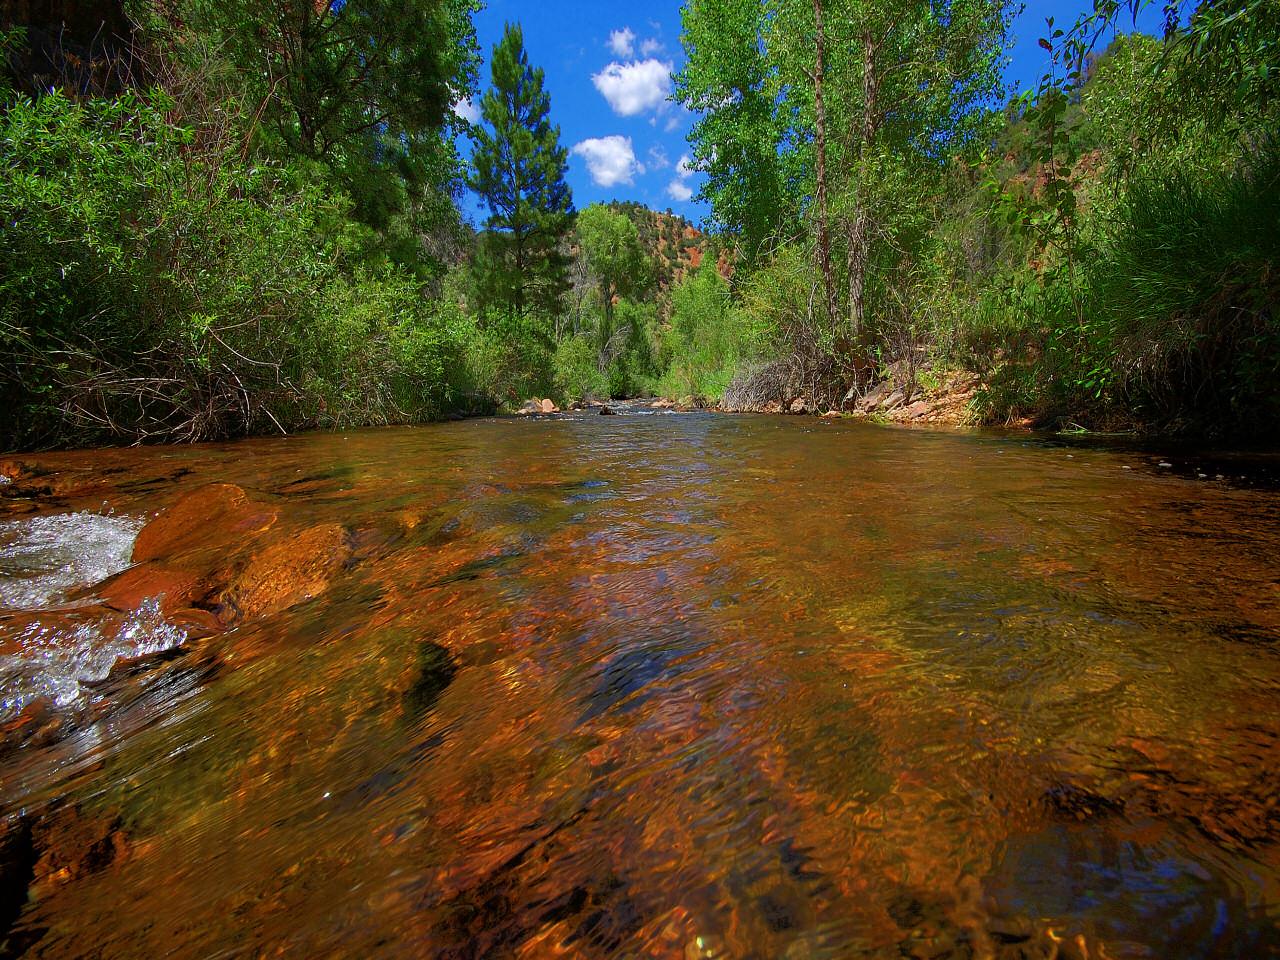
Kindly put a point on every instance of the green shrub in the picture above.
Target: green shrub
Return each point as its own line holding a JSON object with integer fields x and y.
{"x": 708, "y": 339}
{"x": 1189, "y": 281}
{"x": 151, "y": 287}
{"x": 577, "y": 377}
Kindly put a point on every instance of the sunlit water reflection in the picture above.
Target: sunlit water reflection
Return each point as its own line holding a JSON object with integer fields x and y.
{"x": 686, "y": 685}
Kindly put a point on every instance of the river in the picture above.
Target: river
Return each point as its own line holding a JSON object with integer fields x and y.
{"x": 666, "y": 685}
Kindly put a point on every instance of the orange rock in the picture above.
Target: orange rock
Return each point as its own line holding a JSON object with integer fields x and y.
{"x": 289, "y": 571}
{"x": 211, "y": 516}
{"x": 176, "y": 587}
{"x": 549, "y": 406}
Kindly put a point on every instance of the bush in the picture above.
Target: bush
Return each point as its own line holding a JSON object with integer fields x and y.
{"x": 577, "y": 377}
{"x": 153, "y": 289}
{"x": 1189, "y": 282}
{"x": 708, "y": 338}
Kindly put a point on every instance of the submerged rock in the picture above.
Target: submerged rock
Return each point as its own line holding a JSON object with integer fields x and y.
{"x": 217, "y": 549}
{"x": 213, "y": 516}
{"x": 289, "y": 571}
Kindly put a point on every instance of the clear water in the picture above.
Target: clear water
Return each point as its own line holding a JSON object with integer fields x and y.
{"x": 686, "y": 686}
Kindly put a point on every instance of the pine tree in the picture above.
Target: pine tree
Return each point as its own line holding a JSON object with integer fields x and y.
{"x": 518, "y": 170}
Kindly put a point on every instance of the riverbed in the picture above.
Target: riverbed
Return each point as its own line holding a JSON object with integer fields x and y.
{"x": 651, "y": 685}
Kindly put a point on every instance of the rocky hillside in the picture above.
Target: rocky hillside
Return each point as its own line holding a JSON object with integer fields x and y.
{"x": 674, "y": 243}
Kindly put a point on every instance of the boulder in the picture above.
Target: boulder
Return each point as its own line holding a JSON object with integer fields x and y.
{"x": 607, "y": 412}
{"x": 798, "y": 405}
{"x": 177, "y": 586}
{"x": 288, "y": 571}
{"x": 832, "y": 415}
{"x": 915, "y": 411}
{"x": 548, "y": 406}
{"x": 217, "y": 515}
{"x": 876, "y": 396}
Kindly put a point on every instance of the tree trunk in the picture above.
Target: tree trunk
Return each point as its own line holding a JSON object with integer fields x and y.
{"x": 820, "y": 112}
{"x": 859, "y": 251}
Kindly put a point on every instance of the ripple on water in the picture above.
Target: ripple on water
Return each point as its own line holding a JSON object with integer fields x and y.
{"x": 43, "y": 559}
{"x": 55, "y": 663}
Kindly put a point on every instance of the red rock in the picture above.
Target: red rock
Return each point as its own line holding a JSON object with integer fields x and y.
{"x": 219, "y": 514}
{"x": 12, "y": 470}
{"x": 288, "y": 571}
{"x": 177, "y": 587}
{"x": 918, "y": 409}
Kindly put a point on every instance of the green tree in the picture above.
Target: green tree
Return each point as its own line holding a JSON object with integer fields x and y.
{"x": 839, "y": 115}
{"x": 744, "y": 138}
{"x": 518, "y": 171}
{"x": 909, "y": 85}
{"x": 610, "y": 243}
{"x": 364, "y": 87}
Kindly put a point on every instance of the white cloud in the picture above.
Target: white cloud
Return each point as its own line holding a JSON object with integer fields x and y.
{"x": 672, "y": 124}
{"x": 634, "y": 87}
{"x": 622, "y": 42}
{"x": 610, "y": 160}
{"x": 679, "y": 191}
{"x": 651, "y": 46}
{"x": 467, "y": 110}
{"x": 658, "y": 159}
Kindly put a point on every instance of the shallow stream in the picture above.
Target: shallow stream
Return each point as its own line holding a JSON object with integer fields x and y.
{"x": 673, "y": 685}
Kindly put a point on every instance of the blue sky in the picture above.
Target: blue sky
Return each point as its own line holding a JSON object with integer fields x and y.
{"x": 607, "y": 71}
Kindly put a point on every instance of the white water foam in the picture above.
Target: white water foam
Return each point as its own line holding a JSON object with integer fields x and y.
{"x": 55, "y": 664}
{"x": 42, "y": 559}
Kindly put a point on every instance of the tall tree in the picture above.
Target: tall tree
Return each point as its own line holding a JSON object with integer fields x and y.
{"x": 365, "y": 87}
{"x": 742, "y": 138}
{"x": 820, "y": 146}
{"x": 610, "y": 243}
{"x": 906, "y": 86}
{"x": 518, "y": 170}
{"x": 922, "y": 74}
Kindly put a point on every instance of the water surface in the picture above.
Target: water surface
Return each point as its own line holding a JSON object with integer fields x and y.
{"x": 675, "y": 686}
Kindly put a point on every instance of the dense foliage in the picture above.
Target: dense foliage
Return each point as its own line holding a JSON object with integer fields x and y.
{"x": 207, "y": 250}
{"x": 233, "y": 217}
{"x": 1102, "y": 250}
